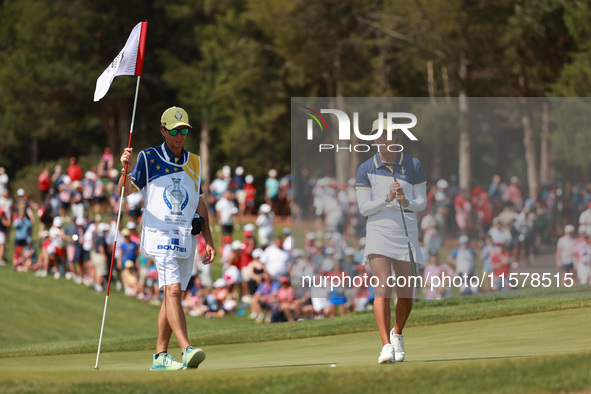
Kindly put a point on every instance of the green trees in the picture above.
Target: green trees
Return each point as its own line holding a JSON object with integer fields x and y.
{"x": 235, "y": 64}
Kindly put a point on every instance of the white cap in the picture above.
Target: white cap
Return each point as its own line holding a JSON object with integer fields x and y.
{"x": 103, "y": 227}
{"x": 464, "y": 239}
{"x": 226, "y": 171}
{"x": 329, "y": 250}
{"x": 272, "y": 173}
{"x": 130, "y": 225}
{"x": 362, "y": 241}
{"x": 67, "y": 180}
{"x": 257, "y": 253}
{"x": 221, "y": 282}
{"x": 20, "y": 192}
{"x": 231, "y": 275}
{"x": 265, "y": 208}
{"x": 80, "y": 222}
{"x": 249, "y": 179}
{"x": 582, "y": 229}
{"x": 58, "y": 221}
{"x": 249, "y": 227}
{"x": 239, "y": 170}
{"x": 349, "y": 251}
{"x": 236, "y": 245}
{"x": 442, "y": 184}
{"x": 569, "y": 228}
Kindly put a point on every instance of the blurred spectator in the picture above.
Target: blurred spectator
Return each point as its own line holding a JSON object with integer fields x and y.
{"x": 272, "y": 191}
{"x": 262, "y": 299}
{"x": 56, "y": 177}
{"x": 564, "y": 252}
{"x": 276, "y": 259}
{"x": 464, "y": 260}
{"x": 500, "y": 263}
{"x": 3, "y": 180}
{"x": 253, "y": 273}
{"x": 56, "y": 248}
{"x": 264, "y": 222}
{"x": 436, "y": 289}
{"x": 582, "y": 252}
{"x": 130, "y": 278}
{"x": 22, "y": 231}
{"x": 23, "y": 205}
{"x": 484, "y": 214}
{"x": 284, "y": 306}
{"x": 4, "y": 226}
{"x": 485, "y": 255}
{"x": 513, "y": 192}
{"x": 585, "y": 218}
{"x": 431, "y": 237}
{"x": 250, "y": 195}
{"x": 106, "y": 163}
{"x": 134, "y": 206}
{"x": 463, "y": 208}
{"x": 74, "y": 170}
{"x": 225, "y": 211}
{"x": 44, "y": 182}
{"x": 302, "y": 196}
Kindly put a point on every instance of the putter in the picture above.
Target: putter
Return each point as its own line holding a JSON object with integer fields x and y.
{"x": 412, "y": 259}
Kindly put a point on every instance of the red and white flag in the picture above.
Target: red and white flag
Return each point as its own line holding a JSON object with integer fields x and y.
{"x": 129, "y": 61}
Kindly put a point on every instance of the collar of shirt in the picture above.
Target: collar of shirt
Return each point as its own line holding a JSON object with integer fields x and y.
{"x": 172, "y": 157}
{"x": 378, "y": 162}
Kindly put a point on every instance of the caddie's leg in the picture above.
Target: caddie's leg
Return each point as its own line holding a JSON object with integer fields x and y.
{"x": 175, "y": 314}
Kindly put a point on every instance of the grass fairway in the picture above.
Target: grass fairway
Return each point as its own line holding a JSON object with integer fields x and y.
{"x": 49, "y": 333}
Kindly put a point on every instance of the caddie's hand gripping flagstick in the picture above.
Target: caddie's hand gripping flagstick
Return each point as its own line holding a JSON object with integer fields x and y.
{"x": 412, "y": 259}
{"x": 136, "y": 42}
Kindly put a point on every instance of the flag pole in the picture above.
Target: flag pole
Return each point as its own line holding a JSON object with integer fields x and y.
{"x": 98, "y": 353}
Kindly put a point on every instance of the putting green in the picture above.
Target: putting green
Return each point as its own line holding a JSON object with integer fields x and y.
{"x": 526, "y": 343}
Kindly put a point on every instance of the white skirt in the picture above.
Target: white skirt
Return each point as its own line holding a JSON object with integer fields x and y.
{"x": 385, "y": 236}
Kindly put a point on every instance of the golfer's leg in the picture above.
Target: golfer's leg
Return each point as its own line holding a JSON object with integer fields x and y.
{"x": 404, "y": 293}
{"x": 164, "y": 330}
{"x": 381, "y": 268}
{"x": 175, "y": 314}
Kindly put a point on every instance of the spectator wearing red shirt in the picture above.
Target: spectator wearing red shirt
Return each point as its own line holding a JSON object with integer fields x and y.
{"x": 251, "y": 191}
{"x": 499, "y": 261}
{"x": 44, "y": 182}
{"x": 74, "y": 170}
{"x": 463, "y": 209}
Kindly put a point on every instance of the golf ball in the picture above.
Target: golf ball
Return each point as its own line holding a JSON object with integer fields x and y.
{"x": 333, "y": 366}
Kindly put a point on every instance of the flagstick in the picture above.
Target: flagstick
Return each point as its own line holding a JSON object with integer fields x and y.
{"x": 98, "y": 353}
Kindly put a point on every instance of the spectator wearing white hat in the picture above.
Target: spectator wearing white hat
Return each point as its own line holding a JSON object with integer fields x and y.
{"x": 582, "y": 252}
{"x": 3, "y": 180}
{"x": 248, "y": 207}
{"x": 272, "y": 190}
{"x": 564, "y": 252}
{"x": 276, "y": 259}
{"x": 264, "y": 222}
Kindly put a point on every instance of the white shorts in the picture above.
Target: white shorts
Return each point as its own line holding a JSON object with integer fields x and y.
{"x": 174, "y": 270}
{"x": 2, "y": 237}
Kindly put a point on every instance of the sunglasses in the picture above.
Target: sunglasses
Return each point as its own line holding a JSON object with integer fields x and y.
{"x": 174, "y": 132}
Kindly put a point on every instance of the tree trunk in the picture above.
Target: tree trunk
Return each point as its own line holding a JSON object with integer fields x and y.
{"x": 437, "y": 151}
{"x": 545, "y": 144}
{"x": 204, "y": 151}
{"x": 465, "y": 159}
{"x": 529, "y": 142}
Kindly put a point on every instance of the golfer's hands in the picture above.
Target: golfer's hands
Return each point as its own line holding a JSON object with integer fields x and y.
{"x": 127, "y": 157}
{"x": 209, "y": 254}
{"x": 397, "y": 193}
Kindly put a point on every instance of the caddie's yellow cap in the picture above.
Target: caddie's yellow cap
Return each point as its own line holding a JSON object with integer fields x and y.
{"x": 376, "y": 124}
{"x": 174, "y": 117}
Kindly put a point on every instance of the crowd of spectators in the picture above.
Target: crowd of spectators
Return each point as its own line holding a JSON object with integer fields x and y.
{"x": 70, "y": 233}
{"x": 493, "y": 230}
{"x": 496, "y": 230}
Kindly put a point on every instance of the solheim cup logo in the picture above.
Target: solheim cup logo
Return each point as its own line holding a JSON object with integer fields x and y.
{"x": 345, "y": 129}
{"x": 176, "y": 203}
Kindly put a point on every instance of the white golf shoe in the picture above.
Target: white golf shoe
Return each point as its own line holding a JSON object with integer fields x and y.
{"x": 397, "y": 342}
{"x": 387, "y": 355}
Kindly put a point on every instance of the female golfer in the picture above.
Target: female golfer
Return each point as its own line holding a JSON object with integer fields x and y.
{"x": 385, "y": 182}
